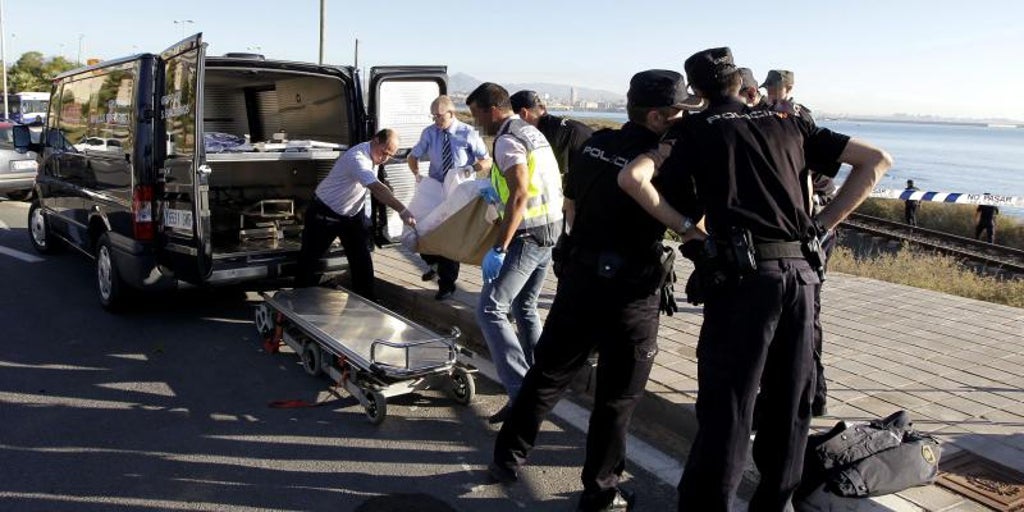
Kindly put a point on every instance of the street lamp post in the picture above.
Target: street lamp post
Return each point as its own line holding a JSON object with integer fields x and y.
{"x": 80, "y": 38}
{"x": 183, "y": 23}
{"x": 3, "y": 56}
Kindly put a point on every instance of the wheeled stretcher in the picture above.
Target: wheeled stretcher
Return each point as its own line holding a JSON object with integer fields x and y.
{"x": 371, "y": 351}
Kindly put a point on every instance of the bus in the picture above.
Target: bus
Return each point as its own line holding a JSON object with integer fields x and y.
{"x": 28, "y": 107}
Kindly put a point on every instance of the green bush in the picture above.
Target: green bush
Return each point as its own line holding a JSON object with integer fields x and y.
{"x": 930, "y": 271}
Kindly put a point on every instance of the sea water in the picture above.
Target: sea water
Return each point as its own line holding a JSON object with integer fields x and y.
{"x": 938, "y": 157}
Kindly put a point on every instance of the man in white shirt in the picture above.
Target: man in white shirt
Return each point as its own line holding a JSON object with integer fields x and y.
{"x": 338, "y": 210}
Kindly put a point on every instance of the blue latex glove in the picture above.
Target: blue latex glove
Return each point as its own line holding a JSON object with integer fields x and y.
{"x": 490, "y": 195}
{"x": 492, "y": 263}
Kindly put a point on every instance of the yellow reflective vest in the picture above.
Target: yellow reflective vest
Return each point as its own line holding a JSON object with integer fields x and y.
{"x": 544, "y": 183}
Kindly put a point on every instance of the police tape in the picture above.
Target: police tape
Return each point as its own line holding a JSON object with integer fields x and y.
{"x": 949, "y": 197}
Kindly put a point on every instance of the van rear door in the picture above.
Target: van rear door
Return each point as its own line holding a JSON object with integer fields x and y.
{"x": 399, "y": 98}
{"x": 184, "y": 197}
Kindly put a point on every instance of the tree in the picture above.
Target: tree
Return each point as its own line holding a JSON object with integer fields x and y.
{"x": 33, "y": 72}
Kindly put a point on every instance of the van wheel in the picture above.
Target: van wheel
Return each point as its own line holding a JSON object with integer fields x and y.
{"x": 112, "y": 289}
{"x": 39, "y": 232}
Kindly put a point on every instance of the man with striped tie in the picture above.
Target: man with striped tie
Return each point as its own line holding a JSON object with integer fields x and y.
{"x": 451, "y": 146}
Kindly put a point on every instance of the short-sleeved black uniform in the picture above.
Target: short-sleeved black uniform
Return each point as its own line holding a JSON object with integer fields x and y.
{"x": 748, "y": 167}
{"x": 615, "y": 312}
{"x": 566, "y": 137}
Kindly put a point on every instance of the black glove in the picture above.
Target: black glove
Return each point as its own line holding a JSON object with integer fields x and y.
{"x": 695, "y": 289}
{"x": 668, "y": 295}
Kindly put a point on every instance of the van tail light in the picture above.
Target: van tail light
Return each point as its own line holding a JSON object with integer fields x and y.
{"x": 142, "y": 212}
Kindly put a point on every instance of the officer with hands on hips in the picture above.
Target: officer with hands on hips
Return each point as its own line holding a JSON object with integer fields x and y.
{"x": 747, "y": 167}
{"x": 611, "y": 267}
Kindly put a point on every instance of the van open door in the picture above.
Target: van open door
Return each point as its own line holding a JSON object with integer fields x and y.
{"x": 399, "y": 98}
{"x": 183, "y": 188}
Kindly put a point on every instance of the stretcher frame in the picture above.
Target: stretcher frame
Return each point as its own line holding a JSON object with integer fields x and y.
{"x": 369, "y": 350}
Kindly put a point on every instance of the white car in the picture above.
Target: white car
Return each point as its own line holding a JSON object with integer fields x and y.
{"x": 17, "y": 167}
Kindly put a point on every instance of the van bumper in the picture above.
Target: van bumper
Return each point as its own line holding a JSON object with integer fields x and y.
{"x": 137, "y": 266}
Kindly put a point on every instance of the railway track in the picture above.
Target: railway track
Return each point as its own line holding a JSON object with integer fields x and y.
{"x": 991, "y": 256}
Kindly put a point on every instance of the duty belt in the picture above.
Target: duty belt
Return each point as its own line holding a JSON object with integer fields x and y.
{"x": 779, "y": 250}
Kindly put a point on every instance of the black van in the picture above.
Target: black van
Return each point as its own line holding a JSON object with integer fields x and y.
{"x": 180, "y": 167}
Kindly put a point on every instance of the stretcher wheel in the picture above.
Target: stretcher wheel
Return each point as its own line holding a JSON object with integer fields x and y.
{"x": 376, "y": 407}
{"x": 264, "y": 320}
{"x": 312, "y": 359}
{"x": 462, "y": 386}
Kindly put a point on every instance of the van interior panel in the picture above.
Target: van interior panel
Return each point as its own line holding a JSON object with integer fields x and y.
{"x": 259, "y": 189}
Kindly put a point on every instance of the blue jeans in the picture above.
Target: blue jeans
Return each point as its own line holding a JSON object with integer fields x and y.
{"x": 514, "y": 291}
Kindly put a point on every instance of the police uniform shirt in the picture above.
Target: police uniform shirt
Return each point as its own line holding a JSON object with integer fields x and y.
{"x": 747, "y": 165}
{"x": 606, "y": 217}
{"x": 566, "y": 137}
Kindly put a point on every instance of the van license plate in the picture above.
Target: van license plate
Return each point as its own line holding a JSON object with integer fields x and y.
{"x": 178, "y": 219}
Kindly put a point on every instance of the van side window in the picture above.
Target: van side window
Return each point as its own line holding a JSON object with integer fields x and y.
{"x": 110, "y": 131}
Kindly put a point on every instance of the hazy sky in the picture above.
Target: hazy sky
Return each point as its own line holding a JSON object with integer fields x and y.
{"x": 961, "y": 59}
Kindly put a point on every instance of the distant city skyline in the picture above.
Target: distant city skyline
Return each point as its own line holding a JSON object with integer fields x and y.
{"x": 871, "y": 57}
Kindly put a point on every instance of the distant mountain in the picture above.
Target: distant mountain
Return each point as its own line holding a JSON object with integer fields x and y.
{"x": 461, "y": 82}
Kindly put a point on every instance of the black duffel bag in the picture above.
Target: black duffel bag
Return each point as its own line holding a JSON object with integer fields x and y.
{"x": 871, "y": 459}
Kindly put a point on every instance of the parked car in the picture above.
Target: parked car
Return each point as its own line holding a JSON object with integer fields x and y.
{"x": 17, "y": 166}
{"x": 125, "y": 178}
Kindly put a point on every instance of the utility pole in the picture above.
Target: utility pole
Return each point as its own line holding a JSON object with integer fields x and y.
{"x": 355, "y": 61}
{"x": 3, "y": 56}
{"x": 80, "y": 37}
{"x": 323, "y": 13}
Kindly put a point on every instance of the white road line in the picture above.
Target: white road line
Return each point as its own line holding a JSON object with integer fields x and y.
{"x": 3, "y": 225}
{"x": 23, "y": 256}
{"x": 666, "y": 468}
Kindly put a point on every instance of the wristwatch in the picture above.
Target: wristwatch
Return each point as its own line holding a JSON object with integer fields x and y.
{"x": 686, "y": 225}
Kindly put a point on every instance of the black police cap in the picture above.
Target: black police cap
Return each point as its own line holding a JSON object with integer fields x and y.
{"x": 657, "y": 88}
{"x": 705, "y": 68}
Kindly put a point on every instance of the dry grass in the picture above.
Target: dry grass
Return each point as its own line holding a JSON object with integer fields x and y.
{"x": 929, "y": 271}
{"x": 957, "y": 219}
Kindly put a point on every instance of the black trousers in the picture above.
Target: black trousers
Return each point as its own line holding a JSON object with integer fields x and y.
{"x": 321, "y": 227}
{"x": 910, "y": 212}
{"x": 447, "y": 271}
{"x": 588, "y": 313}
{"x": 761, "y": 325}
{"x": 989, "y": 228}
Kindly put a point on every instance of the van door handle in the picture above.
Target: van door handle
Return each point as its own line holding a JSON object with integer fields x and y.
{"x": 204, "y": 169}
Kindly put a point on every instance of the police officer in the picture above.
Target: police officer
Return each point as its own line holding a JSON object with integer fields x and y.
{"x": 565, "y": 135}
{"x": 750, "y": 93}
{"x": 822, "y": 189}
{"x": 611, "y": 269}
{"x": 747, "y": 166}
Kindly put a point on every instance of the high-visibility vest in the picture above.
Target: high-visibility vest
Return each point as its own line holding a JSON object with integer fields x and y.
{"x": 544, "y": 189}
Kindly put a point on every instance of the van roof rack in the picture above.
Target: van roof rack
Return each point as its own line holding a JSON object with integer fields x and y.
{"x": 244, "y": 55}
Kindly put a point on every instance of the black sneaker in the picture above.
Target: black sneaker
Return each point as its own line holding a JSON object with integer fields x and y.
{"x": 622, "y": 501}
{"x": 501, "y": 415}
{"x": 502, "y": 474}
{"x": 444, "y": 294}
{"x": 429, "y": 275}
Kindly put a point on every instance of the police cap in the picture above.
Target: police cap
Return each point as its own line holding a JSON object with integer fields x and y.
{"x": 706, "y": 67}
{"x": 748, "y": 78}
{"x": 657, "y": 88}
{"x": 778, "y": 77}
{"x": 525, "y": 99}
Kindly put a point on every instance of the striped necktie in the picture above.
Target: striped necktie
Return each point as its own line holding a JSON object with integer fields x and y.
{"x": 447, "y": 161}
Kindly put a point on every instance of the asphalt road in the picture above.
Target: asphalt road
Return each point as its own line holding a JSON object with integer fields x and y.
{"x": 165, "y": 407}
